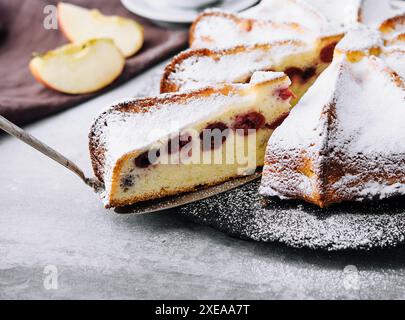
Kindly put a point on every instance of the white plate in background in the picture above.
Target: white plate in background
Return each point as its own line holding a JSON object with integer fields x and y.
{"x": 150, "y": 10}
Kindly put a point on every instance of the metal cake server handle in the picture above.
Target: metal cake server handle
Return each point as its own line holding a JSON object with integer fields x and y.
{"x": 20, "y": 134}
{"x": 96, "y": 185}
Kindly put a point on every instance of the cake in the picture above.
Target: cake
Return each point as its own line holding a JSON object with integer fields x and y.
{"x": 300, "y": 60}
{"x": 315, "y": 14}
{"x": 150, "y": 148}
{"x": 327, "y": 15}
{"x": 297, "y": 37}
{"x": 274, "y": 20}
{"x": 363, "y": 41}
{"x": 284, "y": 36}
{"x": 344, "y": 141}
{"x": 236, "y": 30}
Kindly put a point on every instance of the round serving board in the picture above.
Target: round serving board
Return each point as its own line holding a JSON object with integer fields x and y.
{"x": 245, "y": 214}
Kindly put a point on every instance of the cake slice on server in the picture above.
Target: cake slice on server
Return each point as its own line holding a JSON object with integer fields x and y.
{"x": 344, "y": 139}
{"x": 154, "y": 147}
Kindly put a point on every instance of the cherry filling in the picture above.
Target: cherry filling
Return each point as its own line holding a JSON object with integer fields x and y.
{"x": 308, "y": 73}
{"x": 294, "y": 72}
{"x": 297, "y": 74}
{"x": 212, "y": 133}
{"x": 127, "y": 181}
{"x": 176, "y": 144}
{"x": 327, "y": 53}
{"x": 144, "y": 161}
{"x": 286, "y": 94}
{"x": 251, "y": 120}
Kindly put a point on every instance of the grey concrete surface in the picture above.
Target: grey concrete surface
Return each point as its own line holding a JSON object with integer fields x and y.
{"x": 48, "y": 217}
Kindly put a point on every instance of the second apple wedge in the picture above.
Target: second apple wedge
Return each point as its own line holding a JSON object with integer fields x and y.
{"x": 81, "y": 24}
{"x": 79, "y": 68}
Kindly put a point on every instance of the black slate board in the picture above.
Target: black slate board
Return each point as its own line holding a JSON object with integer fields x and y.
{"x": 353, "y": 226}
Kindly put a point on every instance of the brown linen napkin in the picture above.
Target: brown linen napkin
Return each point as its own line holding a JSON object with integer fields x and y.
{"x": 22, "y": 99}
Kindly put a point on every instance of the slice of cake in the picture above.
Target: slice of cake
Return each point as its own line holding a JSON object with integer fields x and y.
{"x": 344, "y": 139}
{"x": 215, "y": 29}
{"x": 326, "y": 15}
{"x": 314, "y": 15}
{"x": 154, "y": 147}
{"x": 304, "y": 20}
{"x": 301, "y": 61}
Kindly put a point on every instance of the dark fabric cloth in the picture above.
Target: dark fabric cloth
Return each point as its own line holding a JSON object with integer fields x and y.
{"x": 22, "y": 98}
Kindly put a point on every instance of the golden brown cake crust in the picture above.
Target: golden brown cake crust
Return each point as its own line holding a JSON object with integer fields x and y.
{"x": 390, "y": 24}
{"x": 334, "y": 166}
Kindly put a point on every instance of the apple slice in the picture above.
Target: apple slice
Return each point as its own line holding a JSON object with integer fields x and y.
{"x": 80, "y": 24}
{"x": 79, "y": 68}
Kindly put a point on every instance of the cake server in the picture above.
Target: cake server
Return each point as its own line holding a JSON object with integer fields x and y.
{"x": 97, "y": 186}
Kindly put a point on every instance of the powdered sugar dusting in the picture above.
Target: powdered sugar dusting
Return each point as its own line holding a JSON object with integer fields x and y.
{"x": 234, "y": 32}
{"x": 303, "y": 125}
{"x": 360, "y": 38}
{"x": 199, "y": 71}
{"x": 305, "y": 20}
{"x": 245, "y": 214}
{"x": 395, "y": 58}
{"x": 367, "y": 102}
{"x": 330, "y": 14}
{"x": 263, "y": 76}
{"x": 375, "y": 12}
{"x": 340, "y": 13}
{"x": 287, "y": 11}
{"x": 124, "y": 132}
{"x": 359, "y": 90}
{"x": 343, "y": 117}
